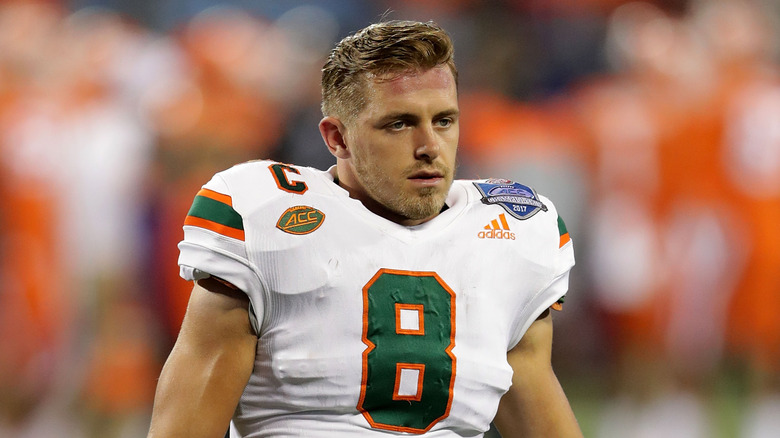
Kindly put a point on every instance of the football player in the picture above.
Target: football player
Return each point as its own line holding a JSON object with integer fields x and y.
{"x": 379, "y": 297}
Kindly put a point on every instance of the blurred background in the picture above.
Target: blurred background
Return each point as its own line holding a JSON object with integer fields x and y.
{"x": 654, "y": 126}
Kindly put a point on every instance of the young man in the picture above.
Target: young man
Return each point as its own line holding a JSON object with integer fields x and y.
{"x": 378, "y": 298}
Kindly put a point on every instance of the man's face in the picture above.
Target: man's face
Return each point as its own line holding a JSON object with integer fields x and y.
{"x": 403, "y": 145}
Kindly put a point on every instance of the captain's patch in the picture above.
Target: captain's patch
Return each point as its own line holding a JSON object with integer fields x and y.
{"x": 518, "y": 200}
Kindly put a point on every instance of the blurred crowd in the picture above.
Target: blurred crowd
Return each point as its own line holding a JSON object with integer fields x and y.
{"x": 654, "y": 125}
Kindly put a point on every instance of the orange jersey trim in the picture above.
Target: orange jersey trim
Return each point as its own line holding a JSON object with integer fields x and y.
{"x": 225, "y": 199}
{"x": 565, "y": 238}
{"x": 215, "y": 227}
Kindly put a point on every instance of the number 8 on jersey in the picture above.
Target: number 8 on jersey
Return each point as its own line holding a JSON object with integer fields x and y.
{"x": 408, "y": 365}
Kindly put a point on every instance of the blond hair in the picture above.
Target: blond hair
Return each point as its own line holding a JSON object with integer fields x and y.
{"x": 381, "y": 49}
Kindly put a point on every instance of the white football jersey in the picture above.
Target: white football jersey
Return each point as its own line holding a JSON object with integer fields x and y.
{"x": 366, "y": 327}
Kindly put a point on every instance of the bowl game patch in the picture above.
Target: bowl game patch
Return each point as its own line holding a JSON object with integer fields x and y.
{"x": 518, "y": 200}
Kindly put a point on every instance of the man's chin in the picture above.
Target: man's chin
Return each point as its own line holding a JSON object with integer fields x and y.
{"x": 425, "y": 206}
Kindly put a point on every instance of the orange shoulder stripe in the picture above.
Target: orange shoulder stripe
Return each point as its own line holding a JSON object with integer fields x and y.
{"x": 215, "y": 227}
{"x": 565, "y": 238}
{"x": 225, "y": 199}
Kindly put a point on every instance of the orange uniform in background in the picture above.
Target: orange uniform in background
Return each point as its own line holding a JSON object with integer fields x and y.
{"x": 624, "y": 124}
{"x": 740, "y": 37}
{"x": 35, "y": 307}
{"x": 750, "y": 157}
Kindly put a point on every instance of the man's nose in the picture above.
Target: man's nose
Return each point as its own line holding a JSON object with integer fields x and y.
{"x": 427, "y": 143}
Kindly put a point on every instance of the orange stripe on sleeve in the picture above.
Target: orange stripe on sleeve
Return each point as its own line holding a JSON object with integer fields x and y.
{"x": 564, "y": 239}
{"x": 225, "y": 199}
{"x": 215, "y": 227}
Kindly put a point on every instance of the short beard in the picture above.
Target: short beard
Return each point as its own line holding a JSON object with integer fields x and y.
{"x": 428, "y": 202}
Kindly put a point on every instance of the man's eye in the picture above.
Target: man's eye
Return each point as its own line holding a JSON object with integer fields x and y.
{"x": 397, "y": 125}
{"x": 444, "y": 122}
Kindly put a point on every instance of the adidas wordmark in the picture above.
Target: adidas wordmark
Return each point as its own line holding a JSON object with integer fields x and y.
{"x": 497, "y": 229}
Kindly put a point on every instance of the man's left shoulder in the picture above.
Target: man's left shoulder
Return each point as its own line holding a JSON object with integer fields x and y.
{"x": 516, "y": 205}
{"x": 521, "y": 201}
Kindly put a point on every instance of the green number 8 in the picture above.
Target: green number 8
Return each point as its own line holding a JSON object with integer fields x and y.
{"x": 408, "y": 365}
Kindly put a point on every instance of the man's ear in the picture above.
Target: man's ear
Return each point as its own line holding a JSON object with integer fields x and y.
{"x": 333, "y": 133}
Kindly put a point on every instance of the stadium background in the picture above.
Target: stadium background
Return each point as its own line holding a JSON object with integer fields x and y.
{"x": 655, "y": 126}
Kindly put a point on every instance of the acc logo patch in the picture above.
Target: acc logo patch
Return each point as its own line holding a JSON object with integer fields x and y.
{"x": 300, "y": 219}
{"x": 518, "y": 200}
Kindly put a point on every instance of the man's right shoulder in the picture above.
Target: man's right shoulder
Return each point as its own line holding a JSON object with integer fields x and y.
{"x": 242, "y": 196}
{"x": 260, "y": 181}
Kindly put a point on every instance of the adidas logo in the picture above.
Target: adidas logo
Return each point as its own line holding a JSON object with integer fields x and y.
{"x": 497, "y": 229}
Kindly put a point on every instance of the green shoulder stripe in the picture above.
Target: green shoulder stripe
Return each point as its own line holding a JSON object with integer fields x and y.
{"x": 215, "y": 211}
{"x": 561, "y": 227}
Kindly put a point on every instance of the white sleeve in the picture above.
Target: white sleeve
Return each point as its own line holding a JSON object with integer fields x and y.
{"x": 561, "y": 251}
{"x": 214, "y": 244}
